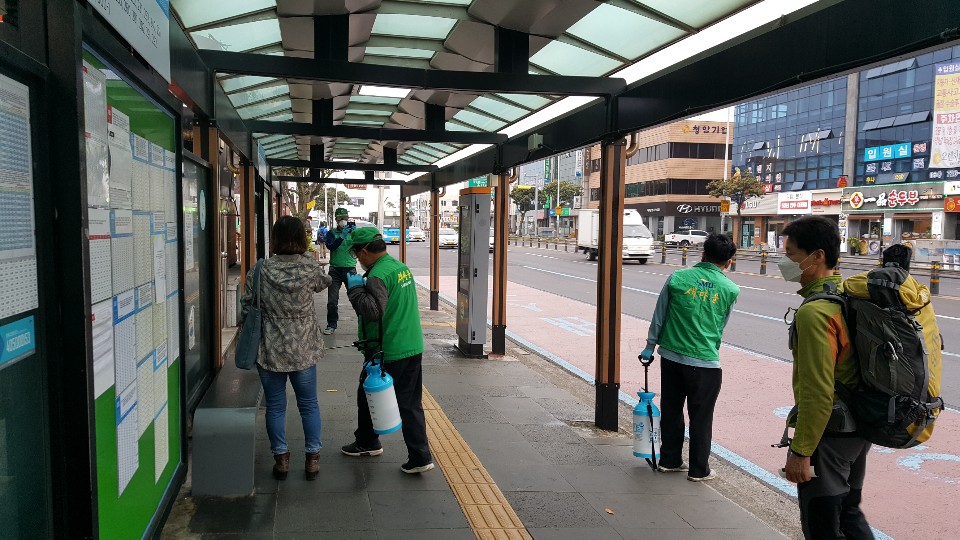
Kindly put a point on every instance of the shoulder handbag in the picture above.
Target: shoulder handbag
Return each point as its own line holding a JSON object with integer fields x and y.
{"x": 249, "y": 344}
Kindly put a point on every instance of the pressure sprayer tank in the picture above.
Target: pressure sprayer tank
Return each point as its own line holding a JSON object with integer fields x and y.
{"x": 646, "y": 434}
{"x": 382, "y": 400}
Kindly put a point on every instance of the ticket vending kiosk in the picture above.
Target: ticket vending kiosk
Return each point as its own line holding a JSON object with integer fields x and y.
{"x": 472, "y": 270}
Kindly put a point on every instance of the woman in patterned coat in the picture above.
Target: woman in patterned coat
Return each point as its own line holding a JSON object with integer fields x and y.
{"x": 289, "y": 347}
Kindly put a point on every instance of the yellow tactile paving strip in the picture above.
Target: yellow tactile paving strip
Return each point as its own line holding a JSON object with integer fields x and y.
{"x": 487, "y": 510}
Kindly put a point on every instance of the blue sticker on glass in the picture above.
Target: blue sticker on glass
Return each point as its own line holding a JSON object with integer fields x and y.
{"x": 17, "y": 340}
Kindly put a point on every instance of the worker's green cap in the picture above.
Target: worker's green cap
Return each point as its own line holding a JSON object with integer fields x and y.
{"x": 365, "y": 235}
{"x": 341, "y": 212}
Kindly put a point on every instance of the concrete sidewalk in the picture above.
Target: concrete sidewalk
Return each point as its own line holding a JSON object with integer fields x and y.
{"x": 518, "y": 416}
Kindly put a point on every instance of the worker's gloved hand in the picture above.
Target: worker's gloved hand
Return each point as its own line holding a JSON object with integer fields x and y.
{"x": 354, "y": 280}
{"x": 647, "y": 354}
{"x": 349, "y": 229}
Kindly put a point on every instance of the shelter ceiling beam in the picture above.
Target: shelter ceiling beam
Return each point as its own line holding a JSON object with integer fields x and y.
{"x": 378, "y": 134}
{"x": 458, "y": 81}
{"x": 350, "y": 166}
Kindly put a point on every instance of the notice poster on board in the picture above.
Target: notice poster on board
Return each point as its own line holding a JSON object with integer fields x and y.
{"x": 134, "y": 270}
{"x": 18, "y": 254}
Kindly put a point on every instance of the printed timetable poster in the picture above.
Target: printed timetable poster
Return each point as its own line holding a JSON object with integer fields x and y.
{"x": 18, "y": 253}
{"x": 132, "y": 236}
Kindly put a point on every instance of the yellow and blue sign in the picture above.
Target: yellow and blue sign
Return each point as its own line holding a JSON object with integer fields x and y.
{"x": 17, "y": 340}
{"x": 890, "y": 151}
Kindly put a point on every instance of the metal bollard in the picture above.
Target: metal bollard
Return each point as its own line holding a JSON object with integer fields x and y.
{"x": 683, "y": 258}
{"x": 538, "y": 241}
{"x": 763, "y": 263}
{"x": 566, "y": 246}
{"x": 935, "y": 278}
{"x": 555, "y": 246}
{"x": 733, "y": 263}
{"x": 836, "y": 269}
{"x": 663, "y": 254}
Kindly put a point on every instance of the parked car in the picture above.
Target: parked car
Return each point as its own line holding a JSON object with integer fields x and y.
{"x": 391, "y": 235}
{"x": 448, "y": 238}
{"x": 416, "y": 234}
{"x": 491, "y": 239}
{"x": 685, "y": 238}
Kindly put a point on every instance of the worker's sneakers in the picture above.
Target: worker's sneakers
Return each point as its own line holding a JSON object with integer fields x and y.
{"x": 710, "y": 476}
{"x": 282, "y": 466}
{"x": 411, "y": 468}
{"x": 329, "y": 330}
{"x": 355, "y": 450}
{"x": 682, "y": 468}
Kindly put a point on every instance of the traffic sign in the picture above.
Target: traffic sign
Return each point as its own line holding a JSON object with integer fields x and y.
{"x": 724, "y": 207}
{"x": 559, "y": 210}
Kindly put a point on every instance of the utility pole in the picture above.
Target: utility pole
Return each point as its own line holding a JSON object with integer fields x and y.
{"x": 380, "y": 207}
{"x": 726, "y": 165}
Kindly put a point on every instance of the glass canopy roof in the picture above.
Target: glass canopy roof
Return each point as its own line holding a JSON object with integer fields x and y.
{"x": 566, "y": 38}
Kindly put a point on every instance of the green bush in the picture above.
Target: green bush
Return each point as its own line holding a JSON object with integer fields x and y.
{"x": 854, "y": 245}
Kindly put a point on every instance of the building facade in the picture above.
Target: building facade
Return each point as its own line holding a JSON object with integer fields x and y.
{"x": 666, "y": 180}
{"x": 875, "y": 150}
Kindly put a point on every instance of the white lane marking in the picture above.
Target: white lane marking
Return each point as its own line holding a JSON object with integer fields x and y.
{"x": 949, "y": 317}
{"x": 644, "y": 291}
{"x": 751, "y": 288}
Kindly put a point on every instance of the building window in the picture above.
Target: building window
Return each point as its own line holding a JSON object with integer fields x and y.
{"x": 595, "y": 194}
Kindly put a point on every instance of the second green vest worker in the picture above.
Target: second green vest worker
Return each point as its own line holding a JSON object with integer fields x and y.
{"x": 342, "y": 263}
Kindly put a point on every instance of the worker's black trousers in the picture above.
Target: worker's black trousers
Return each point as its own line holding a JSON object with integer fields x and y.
{"x": 407, "y": 376}
{"x": 699, "y": 387}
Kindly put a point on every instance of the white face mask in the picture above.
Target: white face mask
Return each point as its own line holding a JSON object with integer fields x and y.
{"x": 341, "y": 223}
{"x": 364, "y": 267}
{"x": 790, "y": 270}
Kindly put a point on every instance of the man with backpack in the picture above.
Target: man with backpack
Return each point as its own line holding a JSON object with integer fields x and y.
{"x": 885, "y": 306}
{"x": 322, "y": 239}
{"x": 827, "y": 460}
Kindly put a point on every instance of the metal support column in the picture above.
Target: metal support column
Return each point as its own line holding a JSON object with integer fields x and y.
{"x": 211, "y": 152}
{"x": 403, "y": 230}
{"x": 501, "y": 217}
{"x": 609, "y": 282}
{"x": 248, "y": 221}
{"x": 434, "y": 250}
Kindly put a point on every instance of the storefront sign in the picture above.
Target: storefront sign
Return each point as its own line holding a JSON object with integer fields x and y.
{"x": 891, "y": 151}
{"x": 760, "y": 206}
{"x": 794, "y": 203}
{"x": 146, "y": 25}
{"x": 951, "y": 204}
{"x": 826, "y": 202}
{"x": 704, "y": 129}
{"x": 945, "y": 148}
{"x": 948, "y": 174}
{"x": 916, "y": 196}
{"x": 677, "y": 209}
{"x": 951, "y": 188}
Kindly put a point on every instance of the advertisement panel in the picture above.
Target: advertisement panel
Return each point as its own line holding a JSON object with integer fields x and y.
{"x": 890, "y": 151}
{"x": 945, "y": 151}
{"x": 146, "y": 25}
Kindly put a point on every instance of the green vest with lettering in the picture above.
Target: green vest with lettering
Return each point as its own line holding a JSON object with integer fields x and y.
{"x": 340, "y": 257}
{"x": 402, "y": 335}
{"x": 700, "y": 300}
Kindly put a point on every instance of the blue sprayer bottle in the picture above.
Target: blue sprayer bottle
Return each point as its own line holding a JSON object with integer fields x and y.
{"x": 381, "y": 399}
{"x": 646, "y": 427}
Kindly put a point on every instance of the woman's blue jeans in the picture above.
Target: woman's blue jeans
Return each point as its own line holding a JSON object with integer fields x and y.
{"x": 304, "y": 384}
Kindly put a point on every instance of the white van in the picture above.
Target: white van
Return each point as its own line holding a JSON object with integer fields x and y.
{"x": 637, "y": 240}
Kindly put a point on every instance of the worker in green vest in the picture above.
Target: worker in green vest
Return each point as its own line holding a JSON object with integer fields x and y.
{"x": 342, "y": 264}
{"x": 692, "y": 311}
{"x": 385, "y": 299}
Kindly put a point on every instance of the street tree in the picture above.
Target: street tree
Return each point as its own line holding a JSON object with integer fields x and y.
{"x": 299, "y": 194}
{"x": 522, "y": 196}
{"x": 568, "y": 190}
{"x": 738, "y": 188}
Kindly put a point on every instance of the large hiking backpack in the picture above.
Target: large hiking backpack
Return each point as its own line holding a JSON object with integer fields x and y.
{"x": 892, "y": 402}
